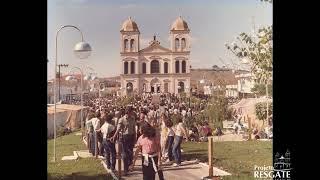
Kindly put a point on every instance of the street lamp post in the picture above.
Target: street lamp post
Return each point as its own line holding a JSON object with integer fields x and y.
{"x": 82, "y": 50}
{"x": 59, "y": 66}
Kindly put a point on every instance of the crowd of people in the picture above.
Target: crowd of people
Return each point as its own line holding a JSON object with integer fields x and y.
{"x": 155, "y": 124}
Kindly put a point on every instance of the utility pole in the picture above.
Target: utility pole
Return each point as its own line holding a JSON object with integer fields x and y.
{"x": 59, "y": 75}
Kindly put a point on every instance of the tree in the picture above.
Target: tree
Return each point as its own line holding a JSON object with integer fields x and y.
{"x": 256, "y": 50}
{"x": 217, "y": 112}
{"x": 261, "y": 111}
{"x": 261, "y": 90}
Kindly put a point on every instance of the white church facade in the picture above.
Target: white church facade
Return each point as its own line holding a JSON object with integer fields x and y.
{"x": 155, "y": 69}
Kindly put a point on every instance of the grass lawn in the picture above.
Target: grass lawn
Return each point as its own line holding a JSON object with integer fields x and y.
{"x": 89, "y": 168}
{"x": 238, "y": 158}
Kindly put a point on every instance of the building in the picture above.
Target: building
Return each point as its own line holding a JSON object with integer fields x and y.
{"x": 155, "y": 68}
{"x": 68, "y": 89}
{"x": 232, "y": 91}
{"x": 242, "y": 87}
{"x": 245, "y": 84}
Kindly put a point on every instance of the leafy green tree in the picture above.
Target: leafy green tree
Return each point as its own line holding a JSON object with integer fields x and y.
{"x": 261, "y": 90}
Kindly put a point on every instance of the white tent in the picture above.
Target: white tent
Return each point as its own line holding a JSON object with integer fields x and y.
{"x": 66, "y": 116}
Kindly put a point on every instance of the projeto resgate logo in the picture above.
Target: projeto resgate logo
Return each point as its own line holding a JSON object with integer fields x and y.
{"x": 280, "y": 170}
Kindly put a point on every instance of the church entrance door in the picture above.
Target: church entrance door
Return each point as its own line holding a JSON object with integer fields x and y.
{"x": 155, "y": 85}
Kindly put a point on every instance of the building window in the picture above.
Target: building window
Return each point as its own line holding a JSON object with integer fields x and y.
{"x": 144, "y": 68}
{"x": 132, "y": 67}
{"x": 166, "y": 87}
{"x": 126, "y": 44}
{"x": 177, "y": 67}
{"x": 126, "y": 67}
{"x": 155, "y": 68}
{"x": 166, "y": 67}
{"x": 177, "y": 43}
{"x": 183, "y": 67}
{"x": 183, "y": 43}
{"x": 131, "y": 44}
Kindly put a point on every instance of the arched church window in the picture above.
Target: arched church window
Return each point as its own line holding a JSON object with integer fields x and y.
{"x": 144, "y": 68}
{"x": 132, "y": 44}
{"x": 132, "y": 67}
{"x": 177, "y": 67}
{"x": 183, "y": 66}
{"x": 126, "y": 67}
{"x": 126, "y": 44}
{"x": 183, "y": 43}
{"x": 155, "y": 68}
{"x": 177, "y": 43}
{"x": 166, "y": 67}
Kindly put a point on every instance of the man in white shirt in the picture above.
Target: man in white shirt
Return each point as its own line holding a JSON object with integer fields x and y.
{"x": 96, "y": 125}
{"x": 108, "y": 130}
{"x": 180, "y": 132}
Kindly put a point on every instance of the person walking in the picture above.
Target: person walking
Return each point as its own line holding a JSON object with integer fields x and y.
{"x": 179, "y": 134}
{"x": 127, "y": 126}
{"x": 108, "y": 130}
{"x": 170, "y": 139}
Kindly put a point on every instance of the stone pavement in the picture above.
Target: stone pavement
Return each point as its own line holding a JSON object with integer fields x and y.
{"x": 189, "y": 170}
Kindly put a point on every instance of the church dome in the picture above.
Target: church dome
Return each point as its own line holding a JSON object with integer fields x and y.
{"x": 129, "y": 25}
{"x": 180, "y": 25}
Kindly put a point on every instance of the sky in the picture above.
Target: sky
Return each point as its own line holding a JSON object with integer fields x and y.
{"x": 212, "y": 24}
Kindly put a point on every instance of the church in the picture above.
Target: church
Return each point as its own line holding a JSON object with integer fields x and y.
{"x": 155, "y": 69}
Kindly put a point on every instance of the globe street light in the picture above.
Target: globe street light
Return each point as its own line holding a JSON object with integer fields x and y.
{"x": 82, "y": 50}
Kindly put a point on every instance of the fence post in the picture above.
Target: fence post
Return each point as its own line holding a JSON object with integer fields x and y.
{"x": 210, "y": 155}
{"x": 249, "y": 124}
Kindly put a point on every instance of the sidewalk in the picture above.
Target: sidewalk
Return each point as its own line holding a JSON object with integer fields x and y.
{"x": 189, "y": 170}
